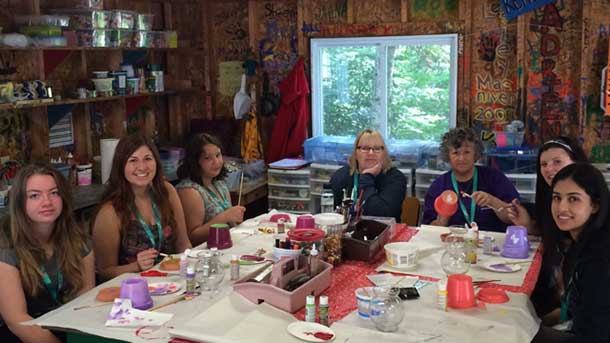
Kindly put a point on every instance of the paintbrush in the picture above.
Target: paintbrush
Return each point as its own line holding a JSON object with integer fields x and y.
{"x": 91, "y": 306}
{"x": 180, "y": 298}
{"x": 497, "y": 209}
{"x": 241, "y": 186}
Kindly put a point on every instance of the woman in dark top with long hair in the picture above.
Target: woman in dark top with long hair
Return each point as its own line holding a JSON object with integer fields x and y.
{"x": 580, "y": 233}
{"x": 553, "y": 155}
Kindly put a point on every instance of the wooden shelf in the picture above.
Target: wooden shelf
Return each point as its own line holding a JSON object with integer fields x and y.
{"x": 38, "y": 103}
{"x": 81, "y": 48}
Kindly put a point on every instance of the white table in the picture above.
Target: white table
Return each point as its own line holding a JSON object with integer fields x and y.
{"x": 229, "y": 317}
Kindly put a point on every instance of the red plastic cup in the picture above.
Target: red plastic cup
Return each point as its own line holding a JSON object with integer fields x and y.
{"x": 446, "y": 204}
{"x": 460, "y": 292}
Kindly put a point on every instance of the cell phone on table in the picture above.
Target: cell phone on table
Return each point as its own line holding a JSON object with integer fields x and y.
{"x": 408, "y": 293}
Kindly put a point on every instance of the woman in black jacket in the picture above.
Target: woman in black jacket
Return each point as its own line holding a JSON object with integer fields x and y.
{"x": 580, "y": 208}
{"x": 371, "y": 178}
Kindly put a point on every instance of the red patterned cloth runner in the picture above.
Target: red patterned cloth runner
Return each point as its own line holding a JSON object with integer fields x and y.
{"x": 351, "y": 275}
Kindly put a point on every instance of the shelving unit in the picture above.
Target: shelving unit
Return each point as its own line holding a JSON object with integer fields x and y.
{"x": 319, "y": 174}
{"x": 165, "y": 115}
{"x": 525, "y": 185}
{"x": 289, "y": 190}
{"x": 423, "y": 180}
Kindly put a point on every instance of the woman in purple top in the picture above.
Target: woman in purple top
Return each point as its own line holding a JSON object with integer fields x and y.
{"x": 489, "y": 189}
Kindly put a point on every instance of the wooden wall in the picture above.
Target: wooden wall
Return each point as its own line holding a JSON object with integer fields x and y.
{"x": 542, "y": 68}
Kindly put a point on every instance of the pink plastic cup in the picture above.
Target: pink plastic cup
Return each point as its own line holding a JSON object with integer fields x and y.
{"x": 460, "y": 292}
{"x": 220, "y": 237}
{"x": 136, "y": 289}
{"x": 305, "y": 222}
{"x": 446, "y": 204}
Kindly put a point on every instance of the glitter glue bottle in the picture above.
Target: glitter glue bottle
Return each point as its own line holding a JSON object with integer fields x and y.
{"x": 190, "y": 280}
{"x": 441, "y": 294}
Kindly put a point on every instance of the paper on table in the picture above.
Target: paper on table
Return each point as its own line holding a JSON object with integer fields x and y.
{"x": 237, "y": 320}
{"x": 123, "y": 315}
{"x": 391, "y": 280}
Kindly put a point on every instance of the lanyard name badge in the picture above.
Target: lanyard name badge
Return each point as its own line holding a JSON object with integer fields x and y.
{"x": 475, "y": 182}
{"x": 147, "y": 228}
{"x": 48, "y": 285}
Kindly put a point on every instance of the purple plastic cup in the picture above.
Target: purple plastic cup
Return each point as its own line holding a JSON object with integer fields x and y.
{"x": 136, "y": 289}
{"x": 220, "y": 237}
{"x": 516, "y": 244}
{"x": 305, "y": 222}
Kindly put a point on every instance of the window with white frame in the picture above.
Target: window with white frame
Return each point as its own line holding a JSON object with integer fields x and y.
{"x": 404, "y": 86}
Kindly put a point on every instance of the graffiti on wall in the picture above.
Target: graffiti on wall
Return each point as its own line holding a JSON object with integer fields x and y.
{"x": 277, "y": 47}
{"x": 494, "y": 83}
{"x": 548, "y": 103}
{"x": 432, "y": 9}
{"x": 232, "y": 32}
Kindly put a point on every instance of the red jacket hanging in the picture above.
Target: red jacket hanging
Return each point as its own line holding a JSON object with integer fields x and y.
{"x": 290, "y": 129}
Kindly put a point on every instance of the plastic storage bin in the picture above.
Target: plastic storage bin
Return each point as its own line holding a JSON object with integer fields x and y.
{"x": 289, "y": 204}
{"x": 288, "y": 177}
{"x": 512, "y": 160}
{"x": 123, "y": 20}
{"x": 523, "y": 182}
{"x": 327, "y": 149}
{"x": 43, "y": 20}
{"x": 284, "y": 191}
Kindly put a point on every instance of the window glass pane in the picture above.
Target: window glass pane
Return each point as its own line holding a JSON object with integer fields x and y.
{"x": 349, "y": 88}
{"x": 418, "y": 91}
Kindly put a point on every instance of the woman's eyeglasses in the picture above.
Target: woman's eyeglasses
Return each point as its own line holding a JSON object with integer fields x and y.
{"x": 366, "y": 148}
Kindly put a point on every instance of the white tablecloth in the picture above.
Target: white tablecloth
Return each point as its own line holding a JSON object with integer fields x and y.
{"x": 228, "y": 317}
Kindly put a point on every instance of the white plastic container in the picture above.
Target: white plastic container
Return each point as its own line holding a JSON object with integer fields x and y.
{"x": 402, "y": 255}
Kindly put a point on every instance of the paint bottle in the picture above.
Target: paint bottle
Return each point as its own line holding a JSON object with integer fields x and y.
{"x": 314, "y": 261}
{"x": 310, "y": 309}
{"x": 323, "y": 310}
{"x": 234, "y": 267}
{"x": 441, "y": 294}
{"x": 470, "y": 241}
{"x": 190, "y": 280}
{"x": 184, "y": 262}
{"x": 281, "y": 227}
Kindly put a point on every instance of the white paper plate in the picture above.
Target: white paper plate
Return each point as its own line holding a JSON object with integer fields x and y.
{"x": 163, "y": 288}
{"x": 499, "y": 267}
{"x": 301, "y": 330}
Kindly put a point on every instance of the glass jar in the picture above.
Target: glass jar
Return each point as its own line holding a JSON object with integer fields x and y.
{"x": 453, "y": 260}
{"x": 209, "y": 272}
{"x": 386, "y": 309}
{"x": 332, "y": 225}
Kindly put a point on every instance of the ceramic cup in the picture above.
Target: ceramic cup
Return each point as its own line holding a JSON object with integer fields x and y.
{"x": 220, "y": 236}
{"x": 446, "y": 204}
{"x": 136, "y": 289}
{"x": 516, "y": 244}
{"x": 460, "y": 291}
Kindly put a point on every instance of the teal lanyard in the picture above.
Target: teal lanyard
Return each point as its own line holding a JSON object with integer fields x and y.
{"x": 475, "y": 182}
{"x": 147, "y": 228}
{"x": 224, "y": 203}
{"x": 355, "y": 187}
{"x": 49, "y": 286}
{"x": 563, "y": 309}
